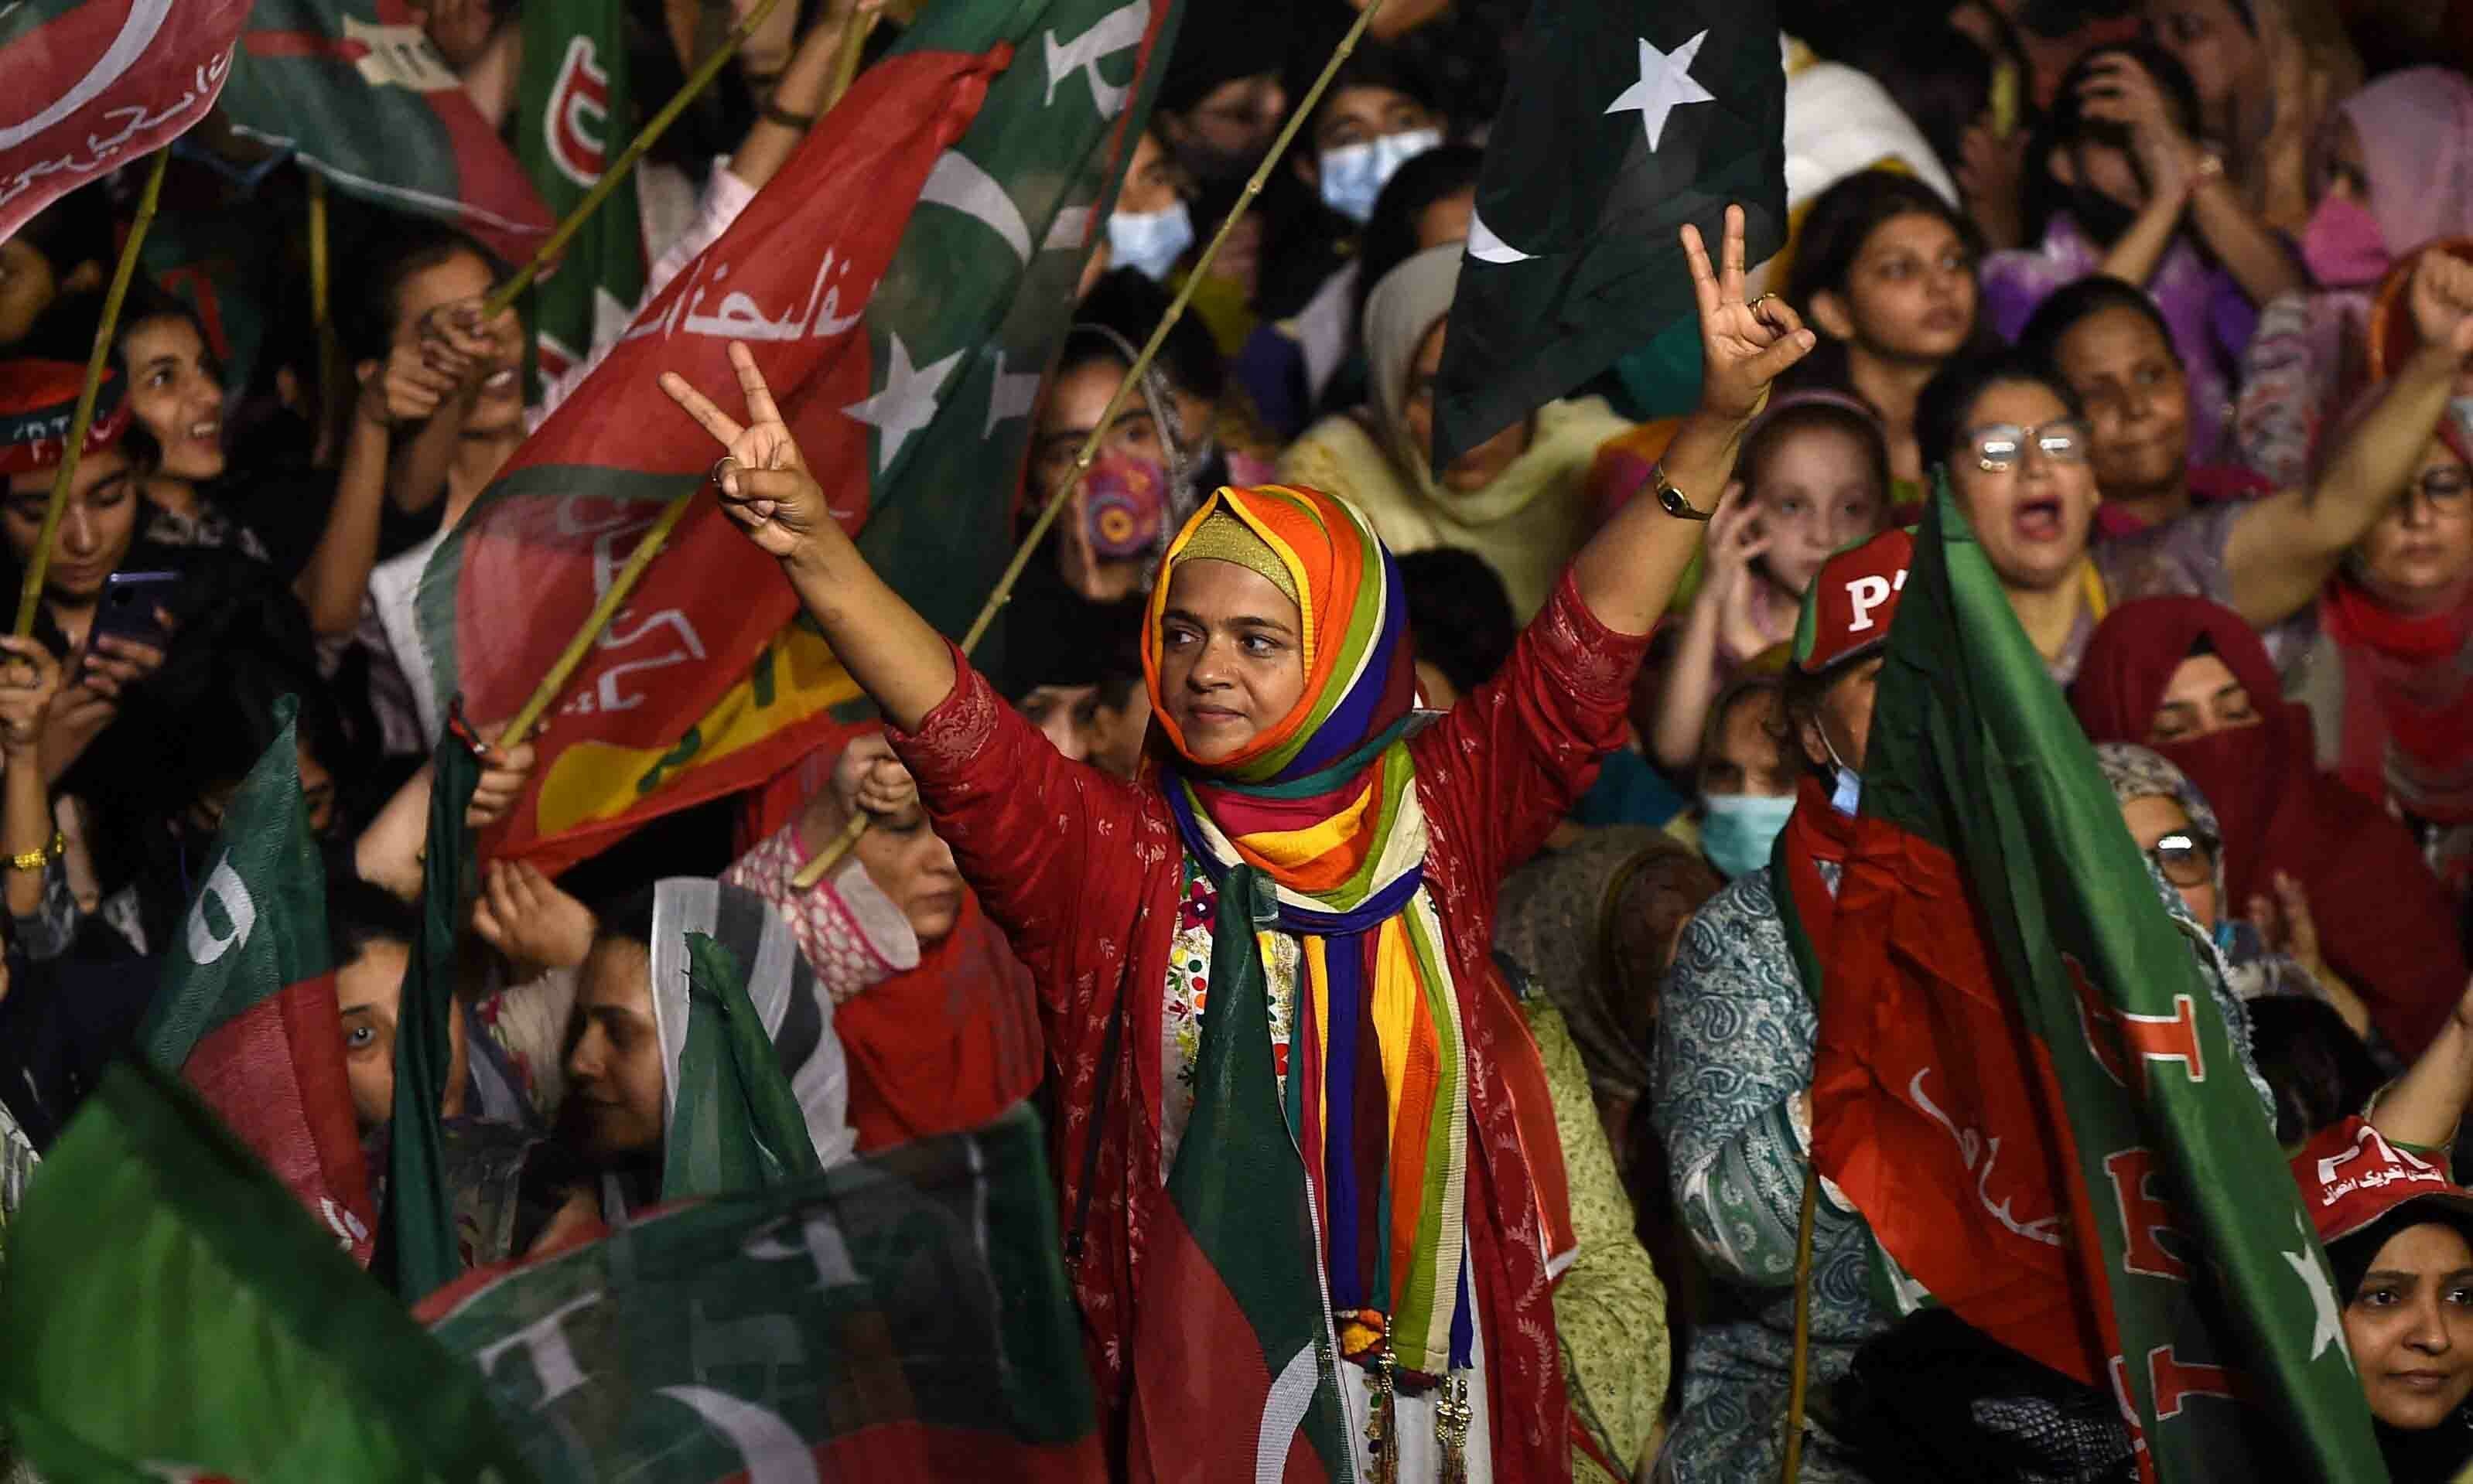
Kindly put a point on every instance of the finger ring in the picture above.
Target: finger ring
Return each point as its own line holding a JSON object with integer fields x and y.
{"x": 726, "y": 461}
{"x": 1755, "y": 305}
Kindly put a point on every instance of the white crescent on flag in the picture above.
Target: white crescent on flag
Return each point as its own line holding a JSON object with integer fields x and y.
{"x": 1486, "y": 247}
{"x": 137, "y": 34}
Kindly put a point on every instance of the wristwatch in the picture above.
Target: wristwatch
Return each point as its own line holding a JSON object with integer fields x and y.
{"x": 1672, "y": 500}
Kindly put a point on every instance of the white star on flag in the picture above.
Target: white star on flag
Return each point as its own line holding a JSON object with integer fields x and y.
{"x": 1665, "y": 84}
{"x": 906, "y": 404}
{"x": 2328, "y": 1325}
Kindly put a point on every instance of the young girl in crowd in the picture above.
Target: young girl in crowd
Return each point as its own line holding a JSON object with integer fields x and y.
{"x": 175, "y": 399}
{"x": 2014, "y": 438}
{"x": 2119, "y": 186}
{"x": 1519, "y": 499}
{"x": 1816, "y": 478}
{"x": 1277, "y": 659}
{"x": 2113, "y": 348}
{"x": 2191, "y": 681}
{"x": 1884, "y": 269}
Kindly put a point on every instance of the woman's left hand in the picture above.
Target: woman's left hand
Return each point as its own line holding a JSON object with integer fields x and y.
{"x": 505, "y": 768}
{"x": 2118, "y": 90}
{"x": 2442, "y": 301}
{"x": 30, "y": 681}
{"x": 1744, "y": 347}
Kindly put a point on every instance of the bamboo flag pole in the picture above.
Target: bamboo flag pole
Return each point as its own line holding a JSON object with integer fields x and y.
{"x": 1798, "y": 1373}
{"x": 506, "y": 294}
{"x": 321, "y": 316}
{"x": 82, "y": 420}
{"x": 545, "y": 694}
{"x": 832, "y": 855}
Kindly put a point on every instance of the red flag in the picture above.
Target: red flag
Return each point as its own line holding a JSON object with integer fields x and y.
{"x": 92, "y": 84}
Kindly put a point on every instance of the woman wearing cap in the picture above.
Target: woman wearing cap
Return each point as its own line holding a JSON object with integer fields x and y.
{"x": 1325, "y": 880}
{"x": 2013, "y": 435}
{"x": 1732, "y": 1083}
{"x": 2399, "y": 1237}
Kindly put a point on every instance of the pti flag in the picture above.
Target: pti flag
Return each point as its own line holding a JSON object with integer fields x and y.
{"x": 903, "y": 283}
{"x": 247, "y": 1011}
{"x": 2024, "y": 1080}
{"x": 1624, "y": 120}
{"x": 171, "y": 1316}
{"x": 355, "y": 89}
{"x": 903, "y": 1316}
{"x": 572, "y": 112}
{"x": 92, "y": 85}
{"x": 1235, "y": 1282}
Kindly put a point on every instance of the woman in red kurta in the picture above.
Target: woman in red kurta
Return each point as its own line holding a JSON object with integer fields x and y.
{"x": 1290, "y": 783}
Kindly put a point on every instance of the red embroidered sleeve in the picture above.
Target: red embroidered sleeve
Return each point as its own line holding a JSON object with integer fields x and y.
{"x": 1508, "y": 763}
{"x": 1043, "y": 841}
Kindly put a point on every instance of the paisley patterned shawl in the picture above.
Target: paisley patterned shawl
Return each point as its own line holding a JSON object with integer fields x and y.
{"x": 1323, "y": 806}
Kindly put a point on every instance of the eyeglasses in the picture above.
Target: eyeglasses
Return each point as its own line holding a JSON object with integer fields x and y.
{"x": 2185, "y": 859}
{"x": 2447, "y": 485}
{"x": 2000, "y": 445}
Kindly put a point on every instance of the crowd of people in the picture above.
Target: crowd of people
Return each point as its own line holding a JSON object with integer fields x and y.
{"x": 1482, "y": 794}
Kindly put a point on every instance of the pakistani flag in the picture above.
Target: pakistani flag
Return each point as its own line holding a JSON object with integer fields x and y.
{"x": 171, "y": 1315}
{"x": 1624, "y": 120}
{"x": 247, "y": 1011}
{"x": 903, "y": 1316}
{"x": 903, "y": 285}
{"x": 355, "y": 89}
{"x": 2024, "y": 1080}
{"x": 95, "y": 85}
{"x": 422, "y": 1252}
{"x": 572, "y": 114}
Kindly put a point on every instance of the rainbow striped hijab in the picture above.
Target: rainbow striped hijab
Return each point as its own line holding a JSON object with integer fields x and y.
{"x": 1323, "y": 810}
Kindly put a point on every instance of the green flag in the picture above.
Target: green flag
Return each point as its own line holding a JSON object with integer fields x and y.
{"x": 247, "y": 1010}
{"x": 2024, "y": 1079}
{"x": 573, "y": 113}
{"x": 420, "y": 1245}
{"x": 171, "y": 1313}
{"x": 736, "y": 1123}
{"x": 903, "y": 1316}
{"x": 1626, "y": 119}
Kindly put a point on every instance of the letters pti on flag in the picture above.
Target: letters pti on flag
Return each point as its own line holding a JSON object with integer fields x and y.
{"x": 357, "y": 91}
{"x": 574, "y": 115}
{"x": 903, "y": 1316}
{"x": 2024, "y": 1079}
{"x": 903, "y": 285}
{"x": 247, "y": 1011}
{"x": 1624, "y": 120}
{"x": 171, "y": 1315}
{"x": 89, "y": 86}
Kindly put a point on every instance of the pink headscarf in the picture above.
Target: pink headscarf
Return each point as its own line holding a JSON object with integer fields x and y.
{"x": 2416, "y": 133}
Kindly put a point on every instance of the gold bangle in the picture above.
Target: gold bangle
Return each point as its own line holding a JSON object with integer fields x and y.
{"x": 37, "y": 860}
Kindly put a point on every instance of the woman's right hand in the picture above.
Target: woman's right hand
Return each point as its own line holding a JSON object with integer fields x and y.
{"x": 763, "y": 480}
{"x": 30, "y": 681}
{"x": 1736, "y": 540}
{"x": 409, "y": 386}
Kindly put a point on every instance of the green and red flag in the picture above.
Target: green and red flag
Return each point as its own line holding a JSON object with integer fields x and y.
{"x": 422, "y": 1252}
{"x": 93, "y": 85}
{"x": 247, "y": 1011}
{"x": 2024, "y": 1079}
{"x": 573, "y": 113}
{"x": 904, "y": 283}
{"x": 903, "y": 1316}
{"x": 355, "y": 89}
{"x": 1235, "y": 1283}
{"x": 171, "y": 1315}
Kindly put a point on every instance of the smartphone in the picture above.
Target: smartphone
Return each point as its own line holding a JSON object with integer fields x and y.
{"x": 128, "y": 608}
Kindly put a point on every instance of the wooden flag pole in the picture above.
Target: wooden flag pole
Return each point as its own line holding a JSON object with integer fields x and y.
{"x": 545, "y": 694}
{"x": 825, "y": 860}
{"x": 82, "y": 420}
{"x": 506, "y": 294}
{"x": 1798, "y": 1372}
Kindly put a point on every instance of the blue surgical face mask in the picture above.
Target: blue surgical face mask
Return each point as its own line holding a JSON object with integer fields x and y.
{"x": 1353, "y": 175}
{"x": 1736, "y": 830}
{"x": 1151, "y": 241}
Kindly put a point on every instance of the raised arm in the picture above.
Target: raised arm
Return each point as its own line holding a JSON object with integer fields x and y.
{"x": 2284, "y": 547}
{"x": 1628, "y": 572}
{"x": 896, "y": 656}
{"x": 2422, "y": 1108}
